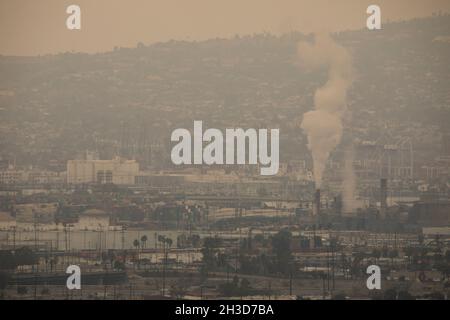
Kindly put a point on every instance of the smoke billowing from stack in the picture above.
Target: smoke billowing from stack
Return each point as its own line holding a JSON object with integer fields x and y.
{"x": 323, "y": 125}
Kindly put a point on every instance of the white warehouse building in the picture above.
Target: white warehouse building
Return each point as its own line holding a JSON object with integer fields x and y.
{"x": 116, "y": 171}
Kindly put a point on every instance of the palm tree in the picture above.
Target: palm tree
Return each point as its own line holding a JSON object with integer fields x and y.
{"x": 166, "y": 242}
{"x": 144, "y": 240}
{"x": 161, "y": 238}
{"x": 136, "y": 243}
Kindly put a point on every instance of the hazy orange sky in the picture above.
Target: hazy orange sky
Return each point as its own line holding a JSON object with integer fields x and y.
{"x": 31, "y": 27}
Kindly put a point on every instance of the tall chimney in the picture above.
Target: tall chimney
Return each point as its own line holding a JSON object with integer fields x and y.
{"x": 383, "y": 198}
{"x": 316, "y": 204}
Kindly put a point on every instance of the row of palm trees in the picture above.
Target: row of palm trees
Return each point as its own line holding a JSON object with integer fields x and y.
{"x": 142, "y": 244}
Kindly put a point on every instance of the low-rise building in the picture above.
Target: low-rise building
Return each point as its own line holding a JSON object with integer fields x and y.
{"x": 93, "y": 220}
{"x": 41, "y": 213}
{"x": 7, "y": 222}
{"x": 116, "y": 171}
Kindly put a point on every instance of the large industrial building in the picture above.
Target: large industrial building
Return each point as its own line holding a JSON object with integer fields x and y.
{"x": 431, "y": 213}
{"x": 116, "y": 171}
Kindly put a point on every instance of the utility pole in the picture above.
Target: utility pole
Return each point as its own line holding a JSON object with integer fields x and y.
{"x": 65, "y": 236}
{"x": 333, "y": 265}
{"x": 164, "y": 268}
{"x": 323, "y": 285}
{"x": 35, "y": 229}
{"x": 328, "y": 268}
{"x": 290, "y": 283}
{"x": 14, "y": 238}
{"x": 123, "y": 237}
{"x": 270, "y": 288}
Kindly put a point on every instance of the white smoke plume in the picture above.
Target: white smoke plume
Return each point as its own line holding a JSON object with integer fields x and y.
{"x": 323, "y": 125}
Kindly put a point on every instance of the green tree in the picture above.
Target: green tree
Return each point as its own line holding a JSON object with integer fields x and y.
{"x": 195, "y": 240}
{"x": 245, "y": 287}
{"x": 390, "y": 294}
{"x": 7, "y": 260}
{"x": 25, "y": 257}
{"x": 119, "y": 265}
{"x": 281, "y": 244}
{"x": 209, "y": 253}
{"x": 404, "y": 295}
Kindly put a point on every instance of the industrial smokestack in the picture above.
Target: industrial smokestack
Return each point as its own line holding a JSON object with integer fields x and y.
{"x": 316, "y": 204}
{"x": 349, "y": 183}
{"x": 323, "y": 125}
{"x": 383, "y": 198}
